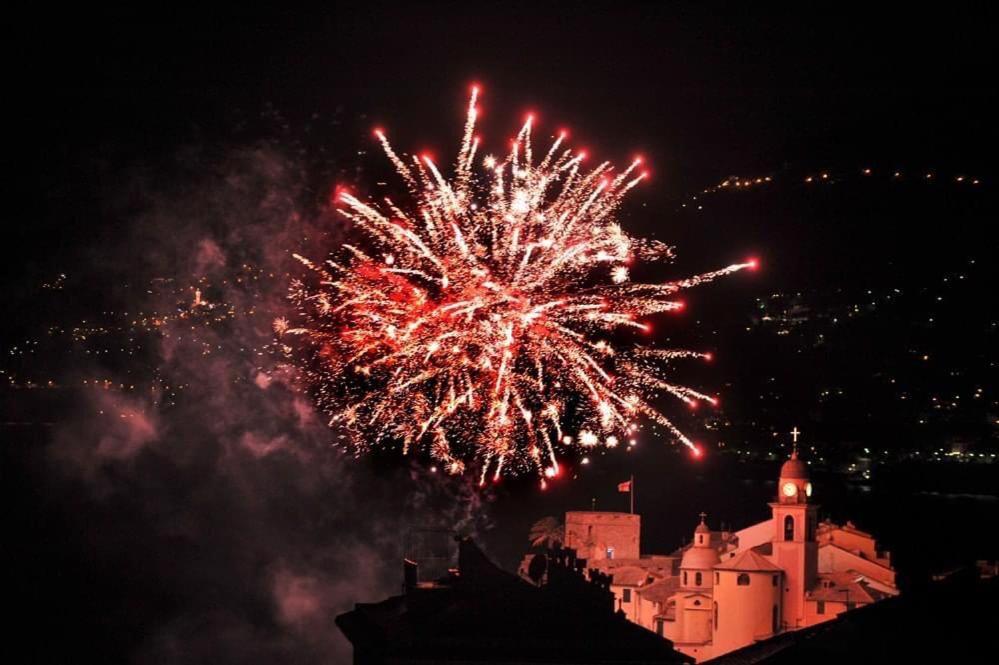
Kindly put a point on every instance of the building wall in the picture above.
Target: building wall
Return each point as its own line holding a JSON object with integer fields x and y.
{"x": 592, "y": 533}
{"x": 744, "y": 612}
{"x": 645, "y": 614}
{"x": 757, "y": 534}
{"x": 830, "y": 610}
{"x": 854, "y": 541}
{"x": 696, "y": 622}
{"x": 630, "y": 607}
{"x": 832, "y": 560}
{"x": 691, "y": 630}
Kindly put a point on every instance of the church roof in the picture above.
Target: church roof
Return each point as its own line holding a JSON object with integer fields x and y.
{"x": 748, "y": 561}
{"x": 703, "y": 557}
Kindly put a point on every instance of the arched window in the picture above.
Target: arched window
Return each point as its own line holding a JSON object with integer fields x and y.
{"x": 773, "y": 620}
{"x": 775, "y": 579}
{"x": 685, "y": 578}
{"x": 742, "y": 579}
{"x": 716, "y": 616}
{"x": 717, "y": 578}
{"x": 697, "y": 579}
{"x": 789, "y": 528}
{"x": 700, "y": 539}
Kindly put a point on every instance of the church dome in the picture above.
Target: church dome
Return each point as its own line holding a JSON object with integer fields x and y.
{"x": 794, "y": 468}
{"x": 700, "y": 555}
{"x": 699, "y": 558}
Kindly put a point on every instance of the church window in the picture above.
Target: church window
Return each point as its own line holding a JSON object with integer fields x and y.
{"x": 742, "y": 579}
{"x": 717, "y": 578}
{"x": 697, "y": 603}
{"x": 820, "y": 607}
{"x": 716, "y": 616}
{"x": 775, "y": 579}
{"x": 773, "y": 620}
{"x": 610, "y": 552}
{"x": 697, "y": 579}
{"x": 789, "y": 528}
{"x": 626, "y": 595}
{"x": 685, "y": 578}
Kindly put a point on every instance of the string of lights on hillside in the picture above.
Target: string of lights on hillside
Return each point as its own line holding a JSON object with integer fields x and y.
{"x": 830, "y": 177}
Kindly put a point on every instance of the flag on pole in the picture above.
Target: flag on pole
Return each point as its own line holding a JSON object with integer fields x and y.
{"x": 624, "y": 487}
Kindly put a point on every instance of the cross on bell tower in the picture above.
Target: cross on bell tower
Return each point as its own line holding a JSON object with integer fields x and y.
{"x": 795, "y": 433}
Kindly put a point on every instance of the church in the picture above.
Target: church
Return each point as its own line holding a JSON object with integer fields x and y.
{"x": 726, "y": 590}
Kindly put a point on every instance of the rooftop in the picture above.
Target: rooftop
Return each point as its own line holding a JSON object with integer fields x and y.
{"x": 472, "y": 615}
{"x": 748, "y": 561}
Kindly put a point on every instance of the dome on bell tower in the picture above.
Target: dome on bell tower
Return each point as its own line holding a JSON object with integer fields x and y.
{"x": 794, "y": 468}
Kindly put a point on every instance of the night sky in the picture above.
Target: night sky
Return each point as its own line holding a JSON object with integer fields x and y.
{"x": 172, "y": 499}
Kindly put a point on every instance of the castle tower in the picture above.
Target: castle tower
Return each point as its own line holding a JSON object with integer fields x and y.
{"x": 597, "y": 535}
{"x": 795, "y": 549}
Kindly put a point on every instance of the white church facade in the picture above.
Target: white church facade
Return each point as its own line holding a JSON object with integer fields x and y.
{"x": 726, "y": 590}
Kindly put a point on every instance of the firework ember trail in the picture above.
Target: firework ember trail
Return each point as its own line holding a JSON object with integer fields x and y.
{"x": 479, "y": 323}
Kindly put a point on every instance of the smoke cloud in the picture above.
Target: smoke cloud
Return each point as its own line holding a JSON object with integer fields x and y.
{"x": 215, "y": 519}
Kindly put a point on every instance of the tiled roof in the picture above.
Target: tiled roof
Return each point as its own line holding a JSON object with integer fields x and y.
{"x": 845, "y": 586}
{"x": 660, "y": 590}
{"x": 748, "y": 561}
{"x": 630, "y": 576}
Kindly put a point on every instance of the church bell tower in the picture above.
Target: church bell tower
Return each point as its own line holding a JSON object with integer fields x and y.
{"x": 794, "y": 546}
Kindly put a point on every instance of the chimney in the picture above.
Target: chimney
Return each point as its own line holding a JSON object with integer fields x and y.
{"x": 410, "y": 575}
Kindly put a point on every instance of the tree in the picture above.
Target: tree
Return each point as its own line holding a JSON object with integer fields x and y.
{"x": 546, "y": 532}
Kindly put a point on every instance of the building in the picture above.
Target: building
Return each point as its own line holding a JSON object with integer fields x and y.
{"x": 479, "y": 613}
{"x": 603, "y": 535}
{"x": 914, "y": 628}
{"x": 726, "y": 590}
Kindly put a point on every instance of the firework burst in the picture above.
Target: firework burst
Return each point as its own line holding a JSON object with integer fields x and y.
{"x": 475, "y": 323}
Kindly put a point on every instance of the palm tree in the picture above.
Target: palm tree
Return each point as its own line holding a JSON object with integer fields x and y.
{"x": 546, "y": 532}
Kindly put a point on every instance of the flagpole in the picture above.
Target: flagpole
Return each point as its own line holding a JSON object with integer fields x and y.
{"x": 631, "y": 486}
